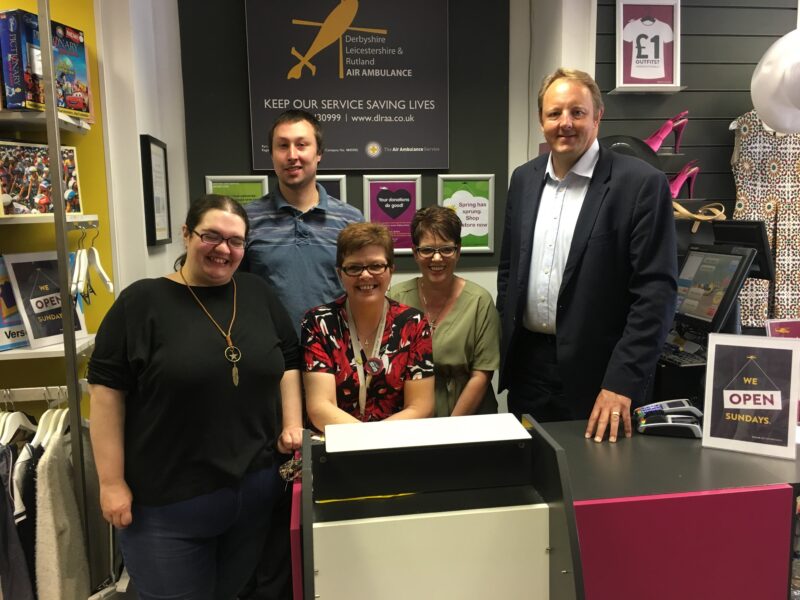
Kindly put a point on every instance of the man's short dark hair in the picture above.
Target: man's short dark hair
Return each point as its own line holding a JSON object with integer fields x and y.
{"x": 295, "y": 116}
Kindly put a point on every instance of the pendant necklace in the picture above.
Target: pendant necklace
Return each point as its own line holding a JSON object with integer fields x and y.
{"x": 432, "y": 321}
{"x": 232, "y": 354}
{"x": 373, "y": 365}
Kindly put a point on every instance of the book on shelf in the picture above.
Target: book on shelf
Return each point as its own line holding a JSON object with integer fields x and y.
{"x": 12, "y": 331}
{"x": 22, "y": 65}
{"x": 34, "y": 280}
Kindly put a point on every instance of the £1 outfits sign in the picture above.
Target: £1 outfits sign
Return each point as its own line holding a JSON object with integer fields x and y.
{"x": 648, "y": 45}
{"x": 375, "y": 74}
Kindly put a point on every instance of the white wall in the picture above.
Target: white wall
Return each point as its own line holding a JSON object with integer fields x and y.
{"x": 142, "y": 93}
{"x": 139, "y": 49}
{"x": 543, "y": 35}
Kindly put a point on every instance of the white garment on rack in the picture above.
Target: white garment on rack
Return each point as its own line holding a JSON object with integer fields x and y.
{"x": 62, "y": 569}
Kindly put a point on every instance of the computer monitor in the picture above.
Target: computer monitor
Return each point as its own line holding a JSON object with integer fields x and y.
{"x": 750, "y": 234}
{"x": 709, "y": 283}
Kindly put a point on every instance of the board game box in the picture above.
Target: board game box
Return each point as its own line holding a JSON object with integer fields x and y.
{"x": 22, "y": 64}
{"x": 26, "y": 179}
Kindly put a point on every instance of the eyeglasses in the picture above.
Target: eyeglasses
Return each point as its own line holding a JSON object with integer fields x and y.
{"x": 444, "y": 251}
{"x": 214, "y": 239}
{"x": 357, "y": 270}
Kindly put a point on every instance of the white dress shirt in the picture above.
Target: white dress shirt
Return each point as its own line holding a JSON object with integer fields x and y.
{"x": 559, "y": 208}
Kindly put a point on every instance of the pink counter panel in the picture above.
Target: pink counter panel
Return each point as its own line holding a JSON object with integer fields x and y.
{"x": 731, "y": 544}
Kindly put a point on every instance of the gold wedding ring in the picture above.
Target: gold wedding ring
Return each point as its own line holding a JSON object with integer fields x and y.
{"x": 615, "y": 413}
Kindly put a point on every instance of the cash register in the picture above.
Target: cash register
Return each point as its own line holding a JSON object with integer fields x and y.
{"x": 709, "y": 282}
{"x": 708, "y": 285}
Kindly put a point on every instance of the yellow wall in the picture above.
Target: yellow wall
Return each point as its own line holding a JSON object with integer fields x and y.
{"x": 92, "y": 174}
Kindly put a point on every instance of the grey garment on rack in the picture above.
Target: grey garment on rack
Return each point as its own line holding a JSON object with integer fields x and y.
{"x": 62, "y": 570}
{"x": 14, "y": 577}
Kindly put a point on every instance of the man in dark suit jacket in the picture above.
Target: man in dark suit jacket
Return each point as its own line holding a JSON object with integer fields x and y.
{"x": 587, "y": 276}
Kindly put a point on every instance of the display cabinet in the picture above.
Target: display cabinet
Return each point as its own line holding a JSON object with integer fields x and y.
{"x": 14, "y": 124}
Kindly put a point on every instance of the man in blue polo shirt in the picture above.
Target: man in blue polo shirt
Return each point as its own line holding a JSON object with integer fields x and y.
{"x": 293, "y": 230}
{"x": 292, "y": 244}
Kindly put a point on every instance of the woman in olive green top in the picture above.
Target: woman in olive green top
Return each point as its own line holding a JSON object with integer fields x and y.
{"x": 462, "y": 315}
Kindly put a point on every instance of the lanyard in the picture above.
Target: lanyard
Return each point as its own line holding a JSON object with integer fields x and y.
{"x": 371, "y": 355}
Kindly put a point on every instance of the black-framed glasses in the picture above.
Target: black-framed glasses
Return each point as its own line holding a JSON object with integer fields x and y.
{"x": 357, "y": 270}
{"x": 212, "y": 238}
{"x": 444, "y": 251}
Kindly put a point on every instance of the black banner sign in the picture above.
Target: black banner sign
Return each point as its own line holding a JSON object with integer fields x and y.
{"x": 374, "y": 73}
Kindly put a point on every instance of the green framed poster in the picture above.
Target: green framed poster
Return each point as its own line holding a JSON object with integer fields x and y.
{"x": 472, "y": 197}
{"x": 242, "y": 188}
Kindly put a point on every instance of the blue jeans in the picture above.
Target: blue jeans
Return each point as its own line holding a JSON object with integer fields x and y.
{"x": 204, "y": 548}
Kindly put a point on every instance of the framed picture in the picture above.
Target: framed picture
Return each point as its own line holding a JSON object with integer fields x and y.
{"x": 157, "y": 220}
{"x": 751, "y": 392}
{"x": 392, "y": 200}
{"x": 472, "y": 197}
{"x": 648, "y": 46}
{"x": 34, "y": 281}
{"x": 242, "y": 188}
{"x": 335, "y": 185}
{"x": 26, "y": 179}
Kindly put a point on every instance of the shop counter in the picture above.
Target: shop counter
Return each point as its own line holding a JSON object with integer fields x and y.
{"x": 664, "y": 518}
{"x": 455, "y": 520}
{"x": 558, "y": 518}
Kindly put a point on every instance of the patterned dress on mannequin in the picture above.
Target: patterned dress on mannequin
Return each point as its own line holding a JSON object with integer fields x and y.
{"x": 766, "y": 169}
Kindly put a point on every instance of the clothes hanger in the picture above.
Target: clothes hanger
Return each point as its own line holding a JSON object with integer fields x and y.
{"x": 41, "y": 430}
{"x": 80, "y": 266}
{"x": 58, "y": 422}
{"x": 44, "y": 421}
{"x": 94, "y": 261}
{"x": 51, "y": 426}
{"x": 8, "y": 408}
{"x": 15, "y": 422}
{"x": 4, "y": 411}
{"x": 58, "y": 427}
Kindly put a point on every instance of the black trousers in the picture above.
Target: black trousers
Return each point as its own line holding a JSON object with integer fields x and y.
{"x": 272, "y": 579}
{"x": 535, "y": 385}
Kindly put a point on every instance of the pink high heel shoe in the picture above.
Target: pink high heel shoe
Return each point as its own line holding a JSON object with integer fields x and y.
{"x": 687, "y": 173}
{"x": 674, "y": 125}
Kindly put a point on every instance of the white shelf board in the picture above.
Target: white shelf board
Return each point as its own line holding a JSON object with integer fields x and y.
{"x": 47, "y": 218}
{"x": 647, "y": 89}
{"x": 35, "y": 120}
{"x": 55, "y": 351}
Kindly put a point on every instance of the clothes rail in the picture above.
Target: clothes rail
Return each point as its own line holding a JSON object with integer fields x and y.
{"x": 52, "y": 394}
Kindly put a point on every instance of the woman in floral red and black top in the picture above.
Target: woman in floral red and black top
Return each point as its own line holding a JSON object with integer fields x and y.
{"x": 363, "y": 336}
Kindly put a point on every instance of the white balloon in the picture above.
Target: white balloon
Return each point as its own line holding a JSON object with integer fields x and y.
{"x": 775, "y": 86}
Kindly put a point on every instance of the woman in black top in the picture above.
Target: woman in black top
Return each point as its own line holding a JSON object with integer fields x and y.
{"x": 186, "y": 375}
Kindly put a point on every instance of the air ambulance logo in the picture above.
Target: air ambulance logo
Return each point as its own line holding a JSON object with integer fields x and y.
{"x": 336, "y": 24}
